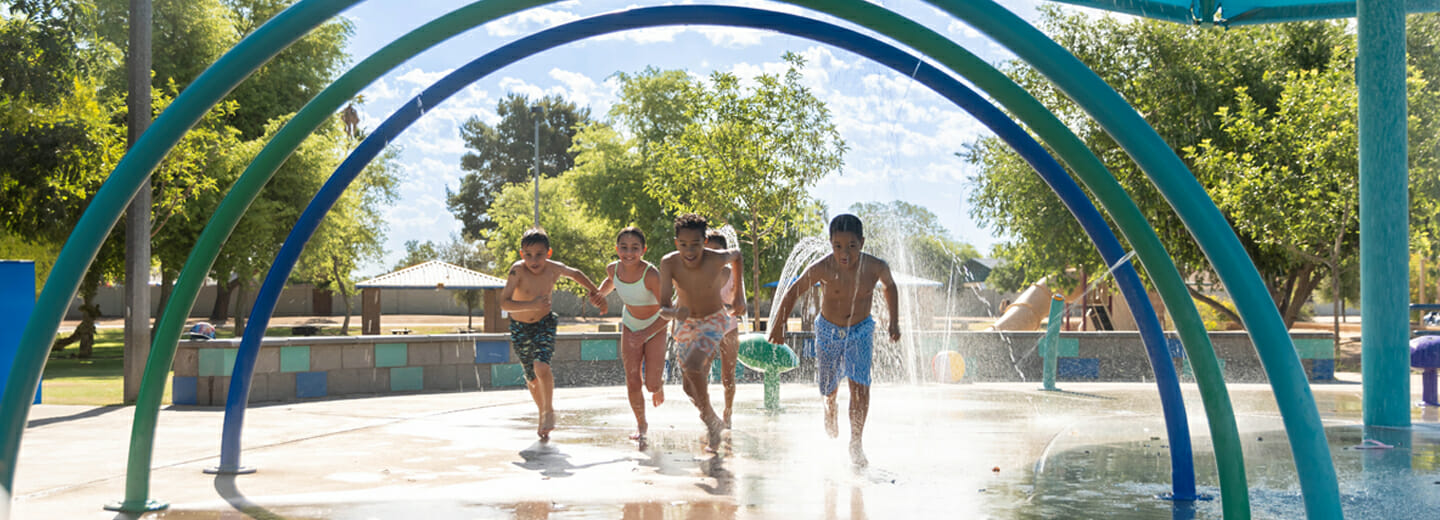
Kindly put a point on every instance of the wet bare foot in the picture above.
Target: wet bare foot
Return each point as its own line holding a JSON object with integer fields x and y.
{"x": 547, "y": 425}
{"x": 658, "y": 397}
{"x": 857, "y": 455}
{"x": 713, "y": 438}
{"x": 638, "y": 436}
{"x": 727, "y": 419}
{"x": 832, "y": 424}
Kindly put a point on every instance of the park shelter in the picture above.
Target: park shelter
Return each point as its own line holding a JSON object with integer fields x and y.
{"x": 430, "y": 275}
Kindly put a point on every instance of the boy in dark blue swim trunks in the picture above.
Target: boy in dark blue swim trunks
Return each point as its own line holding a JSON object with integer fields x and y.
{"x": 532, "y": 325}
{"x": 844, "y": 331}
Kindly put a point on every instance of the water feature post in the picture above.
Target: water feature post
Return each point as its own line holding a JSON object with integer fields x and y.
{"x": 1050, "y": 344}
{"x": 17, "y": 301}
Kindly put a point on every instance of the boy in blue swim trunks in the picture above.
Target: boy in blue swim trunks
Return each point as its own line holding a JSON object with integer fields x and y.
{"x": 532, "y": 324}
{"x": 844, "y": 331}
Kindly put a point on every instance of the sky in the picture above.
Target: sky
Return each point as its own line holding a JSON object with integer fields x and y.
{"x": 902, "y": 137}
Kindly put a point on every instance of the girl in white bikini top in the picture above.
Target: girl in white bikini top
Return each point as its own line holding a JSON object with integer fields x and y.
{"x": 631, "y": 249}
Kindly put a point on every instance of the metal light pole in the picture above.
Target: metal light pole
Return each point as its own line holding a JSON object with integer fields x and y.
{"x": 535, "y": 114}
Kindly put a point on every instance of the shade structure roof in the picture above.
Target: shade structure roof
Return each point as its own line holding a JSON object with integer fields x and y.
{"x": 434, "y": 275}
{"x": 901, "y": 279}
{"x": 1241, "y": 12}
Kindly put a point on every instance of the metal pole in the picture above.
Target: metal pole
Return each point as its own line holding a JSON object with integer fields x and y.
{"x": 137, "y": 218}
{"x": 1384, "y": 219}
{"x": 535, "y": 114}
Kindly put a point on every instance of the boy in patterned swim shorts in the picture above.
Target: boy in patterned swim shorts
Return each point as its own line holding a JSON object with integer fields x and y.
{"x": 695, "y": 275}
{"x": 532, "y": 325}
{"x": 844, "y": 331}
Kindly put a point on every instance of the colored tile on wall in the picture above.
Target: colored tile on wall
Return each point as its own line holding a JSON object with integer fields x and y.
{"x": 1315, "y": 348}
{"x": 1069, "y": 347}
{"x": 185, "y": 390}
{"x": 217, "y": 361}
{"x": 310, "y": 384}
{"x": 509, "y": 374}
{"x": 294, "y": 359}
{"x": 1078, "y": 368}
{"x": 1322, "y": 370}
{"x": 407, "y": 378}
{"x": 487, "y": 352}
{"x": 391, "y": 355}
{"x": 1177, "y": 349}
{"x": 599, "y": 350}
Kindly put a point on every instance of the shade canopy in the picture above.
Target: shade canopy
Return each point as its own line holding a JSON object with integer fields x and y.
{"x": 1241, "y": 12}
{"x": 434, "y": 275}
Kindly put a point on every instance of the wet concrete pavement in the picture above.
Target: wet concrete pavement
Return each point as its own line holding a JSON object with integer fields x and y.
{"x": 1002, "y": 450}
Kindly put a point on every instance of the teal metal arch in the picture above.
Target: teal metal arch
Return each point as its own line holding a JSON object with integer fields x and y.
{"x": 85, "y": 241}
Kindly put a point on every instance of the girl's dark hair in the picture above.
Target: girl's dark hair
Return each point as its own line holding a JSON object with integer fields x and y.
{"x": 632, "y": 230}
{"x": 846, "y": 222}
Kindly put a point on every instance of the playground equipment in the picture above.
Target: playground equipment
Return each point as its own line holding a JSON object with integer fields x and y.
{"x": 1027, "y": 310}
{"x": 1168, "y": 173}
{"x": 769, "y": 359}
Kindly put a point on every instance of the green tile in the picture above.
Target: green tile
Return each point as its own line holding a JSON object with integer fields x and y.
{"x": 1069, "y": 347}
{"x": 599, "y": 350}
{"x": 294, "y": 359}
{"x": 390, "y": 355}
{"x": 509, "y": 374}
{"x": 1315, "y": 348}
{"x": 407, "y": 378}
{"x": 217, "y": 361}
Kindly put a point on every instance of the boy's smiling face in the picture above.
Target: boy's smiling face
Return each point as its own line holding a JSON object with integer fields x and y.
{"x": 690, "y": 243}
{"x": 629, "y": 249}
{"x": 534, "y": 256}
{"x": 846, "y": 248}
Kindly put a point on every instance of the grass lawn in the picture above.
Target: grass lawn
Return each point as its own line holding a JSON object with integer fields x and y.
{"x": 97, "y": 381}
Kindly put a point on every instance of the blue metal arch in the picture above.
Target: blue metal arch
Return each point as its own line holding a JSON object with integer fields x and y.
{"x": 1182, "y": 467}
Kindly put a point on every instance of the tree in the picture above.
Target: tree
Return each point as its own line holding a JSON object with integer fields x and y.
{"x": 1190, "y": 84}
{"x": 748, "y": 156}
{"x": 284, "y": 84}
{"x": 912, "y": 239}
{"x": 505, "y": 154}
{"x": 612, "y": 172}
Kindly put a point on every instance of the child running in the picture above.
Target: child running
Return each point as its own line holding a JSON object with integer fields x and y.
{"x": 730, "y": 347}
{"x": 642, "y": 330}
{"x": 693, "y": 273}
{"x": 844, "y": 330}
{"x": 532, "y": 324}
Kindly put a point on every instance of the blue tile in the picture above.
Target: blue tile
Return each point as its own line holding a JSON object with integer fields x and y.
{"x": 1322, "y": 370}
{"x": 310, "y": 384}
{"x": 492, "y": 352}
{"x": 185, "y": 390}
{"x": 1078, "y": 368}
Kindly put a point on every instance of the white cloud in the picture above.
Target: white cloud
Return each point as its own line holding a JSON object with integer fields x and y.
{"x": 419, "y": 77}
{"x": 532, "y": 20}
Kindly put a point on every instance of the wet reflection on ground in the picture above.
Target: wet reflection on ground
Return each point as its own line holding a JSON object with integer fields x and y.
{"x": 953, "y": 451}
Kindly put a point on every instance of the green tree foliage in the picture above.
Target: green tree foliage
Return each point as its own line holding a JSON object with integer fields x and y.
{"x": 1262, "y": 111}
{"x": 188, "y": 35}
{"x": 611, "y": 171}
{"x": 747, "y": 155}
{"x": 288, "y": 81}
{"x": 913, "y": 241}
{"x": 505, "y": 154}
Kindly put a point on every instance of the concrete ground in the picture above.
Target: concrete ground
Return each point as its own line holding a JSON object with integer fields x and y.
{"x": 1003, "y": 450}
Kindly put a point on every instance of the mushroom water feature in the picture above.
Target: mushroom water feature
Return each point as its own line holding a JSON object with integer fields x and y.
{"x": 769, "y": 359}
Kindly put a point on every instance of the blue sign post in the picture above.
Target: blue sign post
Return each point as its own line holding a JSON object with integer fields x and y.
{"x": 17, "y": 301}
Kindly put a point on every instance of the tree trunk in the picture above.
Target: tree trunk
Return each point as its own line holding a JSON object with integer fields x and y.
{"x": 167, "y": 285}
{"x": 344, "y": 296}
{"x": 1305, "y": 282}
{"x": 220, "y": 312}
{"x": 754, "y": 273}
{"x": 1335, "y": 271}
{"x": 1219, "y": 307}
{"x": 469, "y": 315}
{"x": 89, "y": 311}
{"x": 240, "y": 309}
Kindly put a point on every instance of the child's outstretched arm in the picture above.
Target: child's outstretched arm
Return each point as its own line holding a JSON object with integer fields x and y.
{"x": 892, "y": 300}
{"x": 584, "y": 281}
{"x": 668, "y": 308}
{"x": 737, "y": 273}
{"x": 608, "y": 284}
{"x": 808, "y": 278}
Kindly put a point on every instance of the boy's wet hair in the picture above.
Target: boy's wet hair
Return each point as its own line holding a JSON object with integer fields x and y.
{"x": 846, "y": 222}
{"x": 634, "y": 231}
{"x": 691, "y": 221}
{"x": 717, "y": 237}
{"x": 533, "y": 236}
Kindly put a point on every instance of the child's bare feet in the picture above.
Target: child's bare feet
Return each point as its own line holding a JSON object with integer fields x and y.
{"x": 832, "y": 424}
{"x": 714, "y": 429}
{"x": 547, "y": 425}
{"x": 857, "y": 454}
{"x": 658, "y": 397}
